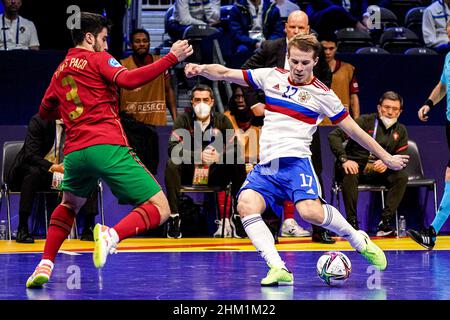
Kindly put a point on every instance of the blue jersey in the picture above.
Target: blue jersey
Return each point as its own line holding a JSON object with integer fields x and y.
{"x": 445, "y": 77}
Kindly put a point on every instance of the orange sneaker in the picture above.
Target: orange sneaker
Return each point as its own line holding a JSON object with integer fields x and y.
{"x": 40, "y": 275}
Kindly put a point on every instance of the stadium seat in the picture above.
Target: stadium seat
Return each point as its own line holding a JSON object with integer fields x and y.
{"x": 401, "y": 7}
{"x": 215, "y": 190}
{"x": 420, "y": 51}
{"x": 398, "y": 39}
{"x": 413, "y": 21}
{"x": 416, "y": 178}
{"x": 371, "y": 50}
{"x": 384, "y": 18}
{"x": 350, "y": 39}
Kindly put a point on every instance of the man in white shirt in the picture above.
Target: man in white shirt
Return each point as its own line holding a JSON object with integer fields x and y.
{"x": 296, "y": 102}
{"x": 434, "y": 23}
{"x": 16, "y": 31}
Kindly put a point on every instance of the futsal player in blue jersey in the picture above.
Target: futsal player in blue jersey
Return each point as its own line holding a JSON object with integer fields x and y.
{"x": 427, "y": 238}
{"x": 296, "y": 102}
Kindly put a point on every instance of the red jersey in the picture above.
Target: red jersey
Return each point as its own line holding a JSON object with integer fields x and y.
{"x": 83, "y": 93}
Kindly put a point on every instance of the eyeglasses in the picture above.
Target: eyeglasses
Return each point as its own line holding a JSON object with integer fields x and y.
{"x": 388, "y": 108}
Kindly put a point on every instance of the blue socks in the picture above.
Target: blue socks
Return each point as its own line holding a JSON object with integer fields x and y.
{"x": 444, "y": 210}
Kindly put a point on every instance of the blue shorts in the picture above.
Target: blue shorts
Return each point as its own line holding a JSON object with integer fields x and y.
{"x": 284, "y": 179}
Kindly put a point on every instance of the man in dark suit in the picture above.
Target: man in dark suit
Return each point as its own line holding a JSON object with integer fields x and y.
{"x": 273, "y": 53}
{"x": 33, "y": 168}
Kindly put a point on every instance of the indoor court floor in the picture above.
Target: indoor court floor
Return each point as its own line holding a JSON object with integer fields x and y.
{"x": 222, "y": 269}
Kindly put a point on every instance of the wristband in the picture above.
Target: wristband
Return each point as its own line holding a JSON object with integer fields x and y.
{"x": 429, "y": 103}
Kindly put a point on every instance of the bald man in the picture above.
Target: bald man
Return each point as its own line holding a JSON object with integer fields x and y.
{"x": 273, "y": 53}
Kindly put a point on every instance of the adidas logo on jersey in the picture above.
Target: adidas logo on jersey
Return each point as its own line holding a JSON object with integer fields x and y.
{"x": 310, "y": 191}
{"x": 276, "y": 87}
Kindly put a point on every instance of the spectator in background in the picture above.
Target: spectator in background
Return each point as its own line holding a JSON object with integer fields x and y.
{"x": 328, "y": 16}
{"x": 356, "y": 165}
{"x": 251, "y": 22}
{"x": 32, "y": 171}
{"x": 199, "y": 153}
{"x": 286, "y": 7}
{"x": 273, "y": 53}
{"x": 247, "y": 133}
{"x": 144, "y": 108}
{"x": 343, "y": 82}
{"x": 17, "y": 32}
{"x": 444, "y": 48}
{"x": 434, "y": 24}
{"x": 192, "y": 12}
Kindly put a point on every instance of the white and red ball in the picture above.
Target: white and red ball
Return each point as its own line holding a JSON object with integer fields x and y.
{"x": 334, "y": 268}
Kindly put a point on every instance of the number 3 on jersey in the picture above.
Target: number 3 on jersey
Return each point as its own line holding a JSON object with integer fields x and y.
{"x": 72, "y": 95}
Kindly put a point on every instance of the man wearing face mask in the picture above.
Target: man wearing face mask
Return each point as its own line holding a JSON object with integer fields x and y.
{"x": 356, "y": 165}
{"x": 202, "y": 143}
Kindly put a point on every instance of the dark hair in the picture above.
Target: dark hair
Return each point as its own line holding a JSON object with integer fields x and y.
{"x": 202, "y": 87}
{"x": 232, "y": 106}
{"x": 329, "y": 37}
{"x": 391, "y": 95}
{"x": 89, "y": 22}
{"x": 306, "y": 43}
{"x": 136, "y": 31}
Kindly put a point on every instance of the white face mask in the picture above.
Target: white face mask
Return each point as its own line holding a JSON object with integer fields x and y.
{"x": 202, "y": 110}
{"x": 388, "y": 122}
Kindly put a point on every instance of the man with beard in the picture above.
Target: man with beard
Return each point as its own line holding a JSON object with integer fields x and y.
{"x": 144, "y": 108}
{"x": 83, "y": 92}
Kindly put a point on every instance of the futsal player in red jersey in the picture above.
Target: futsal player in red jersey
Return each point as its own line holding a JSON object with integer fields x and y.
{"x": 83, "y": 92}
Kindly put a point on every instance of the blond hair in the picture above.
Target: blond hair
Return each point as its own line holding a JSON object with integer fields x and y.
{"x": 306, "y": 43}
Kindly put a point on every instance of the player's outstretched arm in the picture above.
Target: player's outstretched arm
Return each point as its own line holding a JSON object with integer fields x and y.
{"x": 351, "y": 128}
{"x": 132, "y": 79}
{"x": 215, "y": 72}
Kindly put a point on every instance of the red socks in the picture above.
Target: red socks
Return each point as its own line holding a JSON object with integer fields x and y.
{"x": 60, "y": 226}
{"x": 289, "y": 210}
{"x": 221, "y": 199}
{"x": 139, "y": 220}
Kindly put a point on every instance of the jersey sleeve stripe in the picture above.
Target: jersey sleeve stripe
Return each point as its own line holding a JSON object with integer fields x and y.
{"x": 316, "y": 83}
{"x": 401, "y": 149}
{"x": 339, "y": 117}
{"x": 117, "y": 73}
{"x": 292, "y": 106}
{"x": 291, "y": 113}
{"x": 249, "y": 79}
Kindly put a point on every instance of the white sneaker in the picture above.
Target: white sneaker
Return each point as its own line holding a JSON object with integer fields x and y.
{"x": 104, "y": 245}
{"x": 228, "y": 229}
{"x": 291, "y": 228}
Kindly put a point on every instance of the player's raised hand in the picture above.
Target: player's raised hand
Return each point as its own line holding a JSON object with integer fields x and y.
{"x": 397, "y": 162}
{"x": 423, "y": 112}
{"x": 181, "y": 49}
{"x": 192, "y": 70}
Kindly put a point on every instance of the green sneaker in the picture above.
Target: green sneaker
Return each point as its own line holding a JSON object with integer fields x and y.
{"x": 373, "y": 253}
{"x": 278, "y": 277}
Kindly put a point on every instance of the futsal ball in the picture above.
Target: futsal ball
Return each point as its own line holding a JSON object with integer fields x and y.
{"x": 334, "y": 268}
